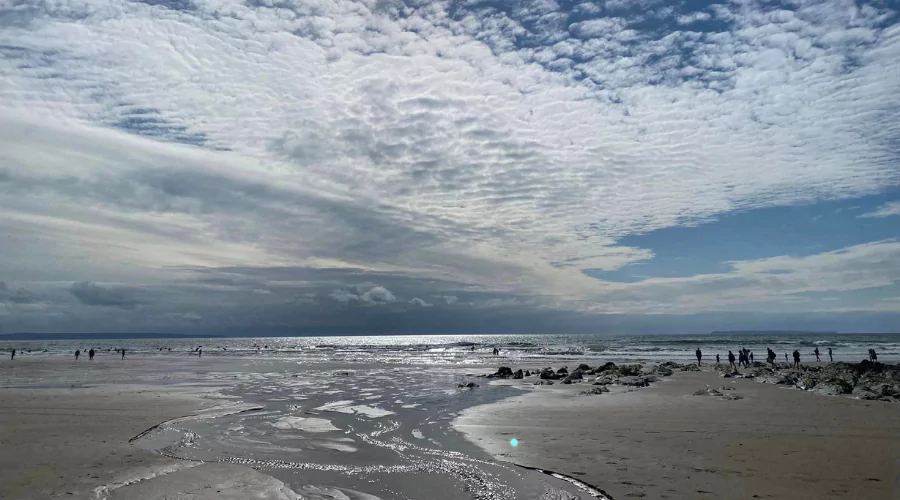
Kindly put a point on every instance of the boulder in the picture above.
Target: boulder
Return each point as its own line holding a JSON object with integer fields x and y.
{"x": 470, "y": 385}
{"x": 562, "y": 372}
{"x": 610, "y": 366}
{"x": 503, "y": 372}
{"x": 663, "y": 371}
{"x": 519, "y": 374}
{"x": 544, "y": 382}
{"x": 630, "y": 370}
{"x": 549, "y": 374}
{"x": 583, "y": 368}
{"x": 572, "y": 377}
{"x": 690, "y": 368}
{"x": 708, "y": 391}
{"x": 527, "y": 373}
{"x": 600, "y": 389}
{"x": 605, "y": 379}
{"x": 639, "y": 381}
{"x": 671, "y": 365}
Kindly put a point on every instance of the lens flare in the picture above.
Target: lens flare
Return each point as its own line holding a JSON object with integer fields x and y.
{"x": 514, "y": 442}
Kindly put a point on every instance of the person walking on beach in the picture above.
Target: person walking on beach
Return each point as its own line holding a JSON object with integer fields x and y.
{"x": 91, "y": 354}
{"x": 873, "y": 356}
{"x": 830, "y": 355}
{"x": 796, "y": 358}
{"x": 816, "y": 352}
{"x": 13, "y": 355}
{"x": 123, "y": 352}
{"x": 751, "y": 356}
{"x": 770, "y": 357}
{"x": 731, "y": 360}
{"x": 786, "y": 358}
{"x": 77, "y": 353}
{"x": 717, "y": 358}
{"x": 699, "y": 355}
{"x": 199, "y": 352}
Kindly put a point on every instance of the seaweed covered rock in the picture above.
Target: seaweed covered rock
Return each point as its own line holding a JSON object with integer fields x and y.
{"x": 630, "y": 370}
{"x": 519, "y": 374}
{"x": 607, "y": 367}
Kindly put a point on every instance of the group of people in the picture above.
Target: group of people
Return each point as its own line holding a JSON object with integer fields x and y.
{"x": 91, "y": 353}
{"x": 745, "y": 357}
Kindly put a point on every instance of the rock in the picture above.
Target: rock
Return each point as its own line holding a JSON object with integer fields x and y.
{"x": 572, "y": 377}
{"x": 544, "y": 382}
{"x": 690, "y": 368}
{"x": 732, "y": 397}
{"x": 636, "y": 381}
{"x": 549, "y": 374}
{"x": 583, "y": 368}
{"x": 527, "y": 373}
{"x": 708, "y": 391}
{"x": 726, "y": 388}
{"x": 671, "y": 365}
{"x": 519, "y": 375}
{"x": 600, "y": 389}
{"x": 806, "y": 382}
{"x": 610, "y": 366}
{"x": 630, "y": 370}
{"x": 503, "y": 372}
{"x": 663, "y": 371}
{"x": 605, "y": 379}
{"x": 470, "y": 385}
{"x": 562, "y": 372}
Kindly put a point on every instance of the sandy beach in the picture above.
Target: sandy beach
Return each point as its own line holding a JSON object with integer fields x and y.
{"x": 663, "y": 442}
{"x": 65, "y": 430}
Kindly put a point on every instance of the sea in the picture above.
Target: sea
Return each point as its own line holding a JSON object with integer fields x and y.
{"x": 464, "y": 350}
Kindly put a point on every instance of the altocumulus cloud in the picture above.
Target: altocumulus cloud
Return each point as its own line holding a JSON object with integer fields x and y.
{"x": 480, "y": 151}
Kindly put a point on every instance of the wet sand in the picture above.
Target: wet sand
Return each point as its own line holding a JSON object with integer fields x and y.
{"x": 663, "y": 442}
{"x": 67, "y": 436}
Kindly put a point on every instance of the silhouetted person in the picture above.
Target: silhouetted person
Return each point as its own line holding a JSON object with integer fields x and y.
{"x": 816, "y": 352}
{"x": 77, "y": 353}
{"x": 830, "y": 355}
{"x": 751, "y": 357}
{"x": 873, "y": 356}
{"x": 199, "y": 353}
{"x": 731, "y": 360}
{"x": 699, "y": 355}
{"x": 740, "y": 357}
{"x": 770, "y": 357}
{"x": 786, "y": 358}
{"x": 13, "y": 355}
{"x": 796, "y": 358}
{"x": 91, "y": 354}
{"x": 123, "y": 353}
{"x": 717, "y": 358}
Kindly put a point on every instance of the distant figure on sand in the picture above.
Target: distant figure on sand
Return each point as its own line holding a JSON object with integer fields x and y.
{"x": 796, "y": 358}
{"x": 830, "y": 356}
{"x": 786, "y": 358}
{"x": 199, "y": 353}
{"x": 731, "y": 360}
{"x": 717, "y": 358}
{"x": 699, "y": 356}
{"x": 751, "y": 357}
{"x": 91, "y": 354}
{"x": 770, "y": 357}
{"x": 123, "y": 353}
{"x": 13, "y": 355}
{"x": 816, "y": 352}
{"x": 873, "y": 356}
{"x": 77, "y": 353}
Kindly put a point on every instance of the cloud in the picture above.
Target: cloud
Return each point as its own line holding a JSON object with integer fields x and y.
{"x": 500, "y": 148}
{"x": 415, "y": 301}
{"x": 92, "y": 294}
{"x": 378, "y": 295}
{"x": 17, "y": 296}
{"x": 886, "y": 210}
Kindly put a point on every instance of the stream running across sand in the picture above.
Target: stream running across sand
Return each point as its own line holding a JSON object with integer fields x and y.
{"x": 375, "y": 433}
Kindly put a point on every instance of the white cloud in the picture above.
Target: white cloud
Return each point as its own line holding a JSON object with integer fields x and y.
{"x": 886, "y": 210}
{"x": 364, "y": 135}
{"x": 415, "y": 301}
{"x": 378, "y": 295}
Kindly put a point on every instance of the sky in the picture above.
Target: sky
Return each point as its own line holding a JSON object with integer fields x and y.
{"x": 342, "y": 166}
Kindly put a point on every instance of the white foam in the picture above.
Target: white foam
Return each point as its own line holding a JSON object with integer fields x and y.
{"x": 418, "y": 434}
{"x": 305, "y": 424}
